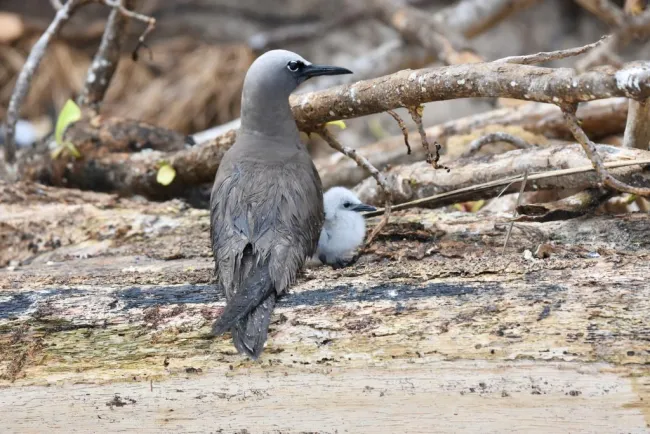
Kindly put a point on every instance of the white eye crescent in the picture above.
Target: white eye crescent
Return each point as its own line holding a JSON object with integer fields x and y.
{"x": 293, "y": 66}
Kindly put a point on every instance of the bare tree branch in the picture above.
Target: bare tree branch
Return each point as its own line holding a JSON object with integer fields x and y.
{"x": 149, "y": 21}
{"x": 493, "y": 79}
{"x": 477, "y": 144}
{"x": 106, "y": 59}
{"x": 402, "y": 126}
{"x": 637, "y": 130}
{"x": 352, "y": 153}
{"x": 473, "y": 17}
{"x": 475, "y": 181}
{"x": 417, "y": 26}
{"x": 597, "y": 162}
{"x": 27, "y": 73}
{"x": 605, "y": 10}
{"x": 629, "y": 28}
{"x": 547, "y": 56}
{"x": 599, "y": 119}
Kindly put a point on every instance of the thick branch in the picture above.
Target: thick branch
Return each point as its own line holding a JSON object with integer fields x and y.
{"x": 106, "y": 59}
{"x": 412, "y": 88}
{"x": 29, "y": 69}
{"x": 135, "y": 173}
{"x": 418, "y": 181}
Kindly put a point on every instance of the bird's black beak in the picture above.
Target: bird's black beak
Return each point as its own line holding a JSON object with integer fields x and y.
{"x": 309, "y": 71}
{"x": 363, "y": 207}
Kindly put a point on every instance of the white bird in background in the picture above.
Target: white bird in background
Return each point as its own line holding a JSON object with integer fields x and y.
{"x": 344, "y": 228}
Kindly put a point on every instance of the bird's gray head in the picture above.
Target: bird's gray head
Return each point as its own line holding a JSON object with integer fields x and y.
{"x": 339, "y": 199}
{"x": 267, "y": 86}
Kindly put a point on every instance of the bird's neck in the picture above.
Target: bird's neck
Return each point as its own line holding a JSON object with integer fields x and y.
{"x": 267, "y": 115}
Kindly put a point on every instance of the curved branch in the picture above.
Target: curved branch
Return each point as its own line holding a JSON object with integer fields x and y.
{"x": 29, "y": 69}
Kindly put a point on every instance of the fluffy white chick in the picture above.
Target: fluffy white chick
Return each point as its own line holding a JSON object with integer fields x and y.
{"x": 344, "y": 228}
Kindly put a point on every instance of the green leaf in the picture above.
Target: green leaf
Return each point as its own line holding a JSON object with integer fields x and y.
{"x": 339, "y": 124}
{"x": 69, "y": 114}
{"x": 166, "y": 174}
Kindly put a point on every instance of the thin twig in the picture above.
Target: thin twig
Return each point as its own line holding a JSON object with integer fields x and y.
{"x": 362, "y": 162}
{"x": 597, "y": 162}
{"x": 402, "y": 126}
{"x": 56, "y": 4}
{"x": 514, "y": 212}
{"x": 150, "y": 21}
{"x": 477, "y": 144}
{"x": 450, "y": 195}
{"x": 416, "y": 114}
{"x": 27, "y": 73}
{"x": 547, "y": 56}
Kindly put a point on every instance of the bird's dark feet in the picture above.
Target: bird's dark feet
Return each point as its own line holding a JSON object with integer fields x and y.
{"x": 343, "y": 263}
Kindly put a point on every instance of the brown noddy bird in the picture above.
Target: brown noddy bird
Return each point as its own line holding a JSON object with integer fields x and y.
{"x": 266, "y": 207}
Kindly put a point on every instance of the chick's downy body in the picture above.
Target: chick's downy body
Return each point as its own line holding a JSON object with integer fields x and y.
{"x": 344, "y": 228}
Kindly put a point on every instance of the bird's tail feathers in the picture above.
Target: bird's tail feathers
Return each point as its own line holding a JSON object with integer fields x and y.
{"x": 249, "y": 333}
{"x": 253, "y": 288}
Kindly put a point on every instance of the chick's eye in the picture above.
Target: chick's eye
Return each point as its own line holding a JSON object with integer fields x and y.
{"x": 346, "y": 205}
{"x": 294, "y": 65}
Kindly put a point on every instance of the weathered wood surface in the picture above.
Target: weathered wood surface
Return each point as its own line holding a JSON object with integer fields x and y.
{"x": 431, "y": 331}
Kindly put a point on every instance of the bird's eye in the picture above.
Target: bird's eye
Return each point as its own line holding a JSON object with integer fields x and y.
{"x": 294, "y": 65}
{"x": 346, "y": 205}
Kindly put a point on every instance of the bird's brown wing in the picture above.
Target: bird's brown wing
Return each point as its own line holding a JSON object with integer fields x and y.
{"x": 271, "y": 205}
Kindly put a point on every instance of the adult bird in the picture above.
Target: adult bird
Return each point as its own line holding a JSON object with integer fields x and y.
{"x": 266, "y": 207}
{"x": 344, "y": 228}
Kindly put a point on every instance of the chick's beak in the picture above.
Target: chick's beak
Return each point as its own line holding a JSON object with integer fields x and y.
{"x": 361, "y": 207}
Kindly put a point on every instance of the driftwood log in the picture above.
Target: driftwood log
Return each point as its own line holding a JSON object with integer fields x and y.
{"x": 106, "y": 306}
{"x": 418, "y": 180}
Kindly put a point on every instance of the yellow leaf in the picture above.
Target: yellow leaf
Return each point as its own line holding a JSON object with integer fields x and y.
{"x": 166, "y": 174}
{"x": 476, "y": 205}
{"x": 630, "y": 199}
{"x": 72, "y": 149}
{"x": 339, "y": 124}
{"x": 69, "y": 114}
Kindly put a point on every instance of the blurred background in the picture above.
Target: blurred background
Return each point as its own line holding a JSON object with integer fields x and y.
{"x": 201, "y": 49}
